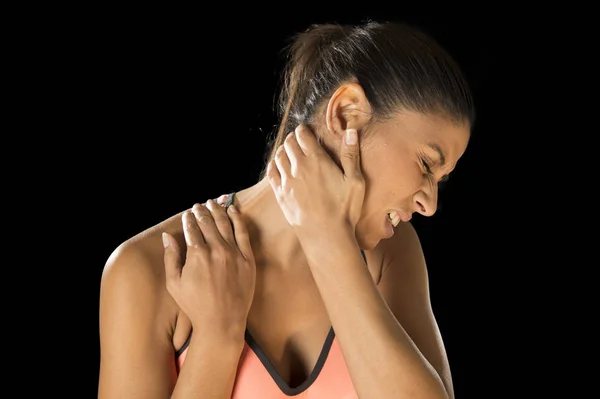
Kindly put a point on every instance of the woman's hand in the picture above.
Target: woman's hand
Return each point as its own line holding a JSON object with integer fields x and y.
{"x": 214, "y": 284}
{"x": 317, "y": 197}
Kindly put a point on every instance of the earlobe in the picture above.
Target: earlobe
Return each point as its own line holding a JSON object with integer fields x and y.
{"x": 348, "y": 107}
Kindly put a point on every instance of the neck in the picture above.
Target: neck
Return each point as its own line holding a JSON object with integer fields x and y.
{"x": 274, "y": 243}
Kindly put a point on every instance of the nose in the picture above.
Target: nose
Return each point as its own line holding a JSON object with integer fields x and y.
{"x": 425, "y": 201}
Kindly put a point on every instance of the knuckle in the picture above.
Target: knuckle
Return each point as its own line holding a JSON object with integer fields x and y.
{"x": 222, "y": 220}
{"x": 199, "y": 209}
{"x": 195, "y": 255}
{"x": 204, "y": 219}
{"x": 216, "y": 210}
{"x": 221, "y": 256}
{"x": 190, "y": 224}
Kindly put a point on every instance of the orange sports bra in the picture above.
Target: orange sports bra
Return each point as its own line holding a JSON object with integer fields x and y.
{"x": 257, "y": 378}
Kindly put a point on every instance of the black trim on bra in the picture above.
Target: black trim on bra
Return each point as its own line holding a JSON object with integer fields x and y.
{"x": 184, "y": 347}
{"x": 312, "y": 377}
{"x": 283, "y": 386}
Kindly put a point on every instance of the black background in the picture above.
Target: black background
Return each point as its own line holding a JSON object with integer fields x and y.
{"x": 184, "y": 112}
{"x": 171, "y": 107}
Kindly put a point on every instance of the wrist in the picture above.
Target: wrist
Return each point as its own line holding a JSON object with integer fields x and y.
{"x": 212, "y": 337}
{"x": 329, "y": 243}
{"x": 226, "y": 347}
{"x": 222, "y": 335}
{"x": 310, "y": 233}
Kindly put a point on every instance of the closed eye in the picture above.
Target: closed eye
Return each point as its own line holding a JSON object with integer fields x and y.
{"x": 427, "y": 167}
{"x": 429, "y": 171}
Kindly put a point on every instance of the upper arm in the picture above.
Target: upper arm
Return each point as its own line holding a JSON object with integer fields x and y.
{"x": 136, "y": 352}
{"x": 405, "y": 286}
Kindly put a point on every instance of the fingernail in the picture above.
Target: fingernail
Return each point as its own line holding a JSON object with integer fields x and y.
{"x": 351, "y": 136}
{"x": 233, "y": 208}
{"x": 165, "y": 240}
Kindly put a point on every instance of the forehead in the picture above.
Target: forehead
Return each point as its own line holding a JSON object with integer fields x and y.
{"x": 423, "y": 129}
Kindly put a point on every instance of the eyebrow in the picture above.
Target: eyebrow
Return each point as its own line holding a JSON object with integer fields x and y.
{"x": 439, "y": 151}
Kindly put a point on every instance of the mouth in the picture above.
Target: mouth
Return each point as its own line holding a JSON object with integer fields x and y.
{"x": 395, "y": 218}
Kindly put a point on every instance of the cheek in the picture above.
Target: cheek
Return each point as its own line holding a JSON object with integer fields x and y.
{"x": 391, "y": 180}
{"x": 407, "y": 179}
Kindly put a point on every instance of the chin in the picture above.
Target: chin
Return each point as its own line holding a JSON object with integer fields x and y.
{"x": 367, "y": 243}
{"x": 368, "y": 236}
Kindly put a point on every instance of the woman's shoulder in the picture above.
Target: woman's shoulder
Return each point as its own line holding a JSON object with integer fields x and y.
{"x": 133, "y": 293}
{"x": 137, "y": 262}
{"x": 142, "y": 254}
{"x": 403, "y": 248}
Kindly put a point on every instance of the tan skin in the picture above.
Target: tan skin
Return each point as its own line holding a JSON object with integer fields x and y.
{"x": 142, "y": 321}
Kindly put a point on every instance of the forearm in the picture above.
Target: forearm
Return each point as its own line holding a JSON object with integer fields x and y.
{"x": 381, "y": 358}
{"x": 209, "y": 369}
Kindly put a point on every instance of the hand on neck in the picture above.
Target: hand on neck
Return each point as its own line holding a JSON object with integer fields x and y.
{"x": 273, "y": 240}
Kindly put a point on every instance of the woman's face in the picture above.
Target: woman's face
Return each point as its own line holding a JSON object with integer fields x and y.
{"x": 403, "y": 161}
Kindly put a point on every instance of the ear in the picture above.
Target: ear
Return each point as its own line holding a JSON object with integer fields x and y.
{"x": 348, "y": 108}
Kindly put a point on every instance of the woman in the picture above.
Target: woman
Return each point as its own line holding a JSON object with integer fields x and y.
{"x": 312, "y": 282}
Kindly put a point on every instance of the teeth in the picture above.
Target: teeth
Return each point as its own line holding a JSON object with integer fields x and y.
{"x": 394, "y": 218}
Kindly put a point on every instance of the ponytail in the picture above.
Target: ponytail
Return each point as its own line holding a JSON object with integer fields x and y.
{"x": 300, "y": 94}
{"x": 398, "y": 66}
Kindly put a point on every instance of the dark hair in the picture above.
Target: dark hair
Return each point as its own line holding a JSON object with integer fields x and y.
{"x": 397, "y": 65}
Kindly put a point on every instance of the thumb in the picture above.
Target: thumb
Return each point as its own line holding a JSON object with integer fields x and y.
{"x": 350, "y": 154}
{"x": 173, "y": 260}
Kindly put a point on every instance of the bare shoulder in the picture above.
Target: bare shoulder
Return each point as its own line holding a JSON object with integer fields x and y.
{"x": 405, "y": 287}
{"x": 138, "y": 318}
{"x": 141, "y": 256}
{"x": 134, "y": 272}
{"x": 404, "y": 253}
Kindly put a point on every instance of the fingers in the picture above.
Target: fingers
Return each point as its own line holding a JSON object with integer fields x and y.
{"x": 206, "y": 224}
{"x": 191, "y": 230}
{"x": 274, "y": 176}
{"x": 283, "y": 163}
{"x": 307, "y": 140}
{"x": 294, "y": 152}
{"x": 172, "y": 259}
{"x": 350, "y": 154}
{"x": 286, "y": 159}
{"x": 242, "y": 237}
{"x": 221, "y": 221}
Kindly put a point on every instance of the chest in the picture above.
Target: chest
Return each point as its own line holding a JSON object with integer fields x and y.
{"x": 288, "y": 325}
